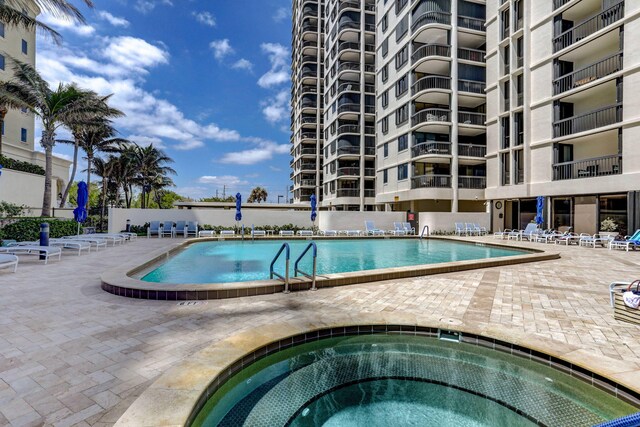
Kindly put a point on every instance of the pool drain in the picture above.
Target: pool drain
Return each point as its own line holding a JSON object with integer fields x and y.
{"x": 185, "y": 303}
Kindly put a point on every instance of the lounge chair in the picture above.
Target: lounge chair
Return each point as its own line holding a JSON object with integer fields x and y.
{"x": 287, "y": 233}
{"x": 192, "y": 229}
{"x": 305, "y": 233}
{"x": 547, "y": 236}
{"x": 482, "y": 231}
{"x": 398, "y": 229}
{"x": 471, "y": 229}
{"x": 206, "y": 233}
{"x": 596, "y": 239}
{"x": 530, "y": 232}
{"x": 181, "y": 228}
{"x": 258, "y": 233}
{"x": 354, "y": 232}
{"x": 113, "y": 238}
{"x": 460, "y": 229}
{"x": 168, "y": 229}
{"x": 7, "y": 261}
{"x": 502, "y": 234}
{"x": 79, "y": 245}
{"x": 568, "y": 238}
{"x": 328, "y": 233}
{"x": 408, "y": 228}
{"x": 628, "y": 242}
{"x": 371, "y": 230}
{"x": 45, "y": 251}
{"x": 129, "y": 235}
{"x": 154, "y": 229}
{"x": 93, "y": 241}
{"x": 227, "y": 233}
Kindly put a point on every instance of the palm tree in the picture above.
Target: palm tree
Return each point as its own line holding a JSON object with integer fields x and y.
{"x": 11, "y": 13}
{"x": 105, "y": 170}
{"x": 258, "y": 195}
{"x": 150, "y": 164}
{"x": 125, "y": 172}
{"x": 67, "y": 105}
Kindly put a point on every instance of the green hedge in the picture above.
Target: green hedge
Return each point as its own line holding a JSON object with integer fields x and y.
{"x": 28, "y": 229}
{"x": 18, "y": 165}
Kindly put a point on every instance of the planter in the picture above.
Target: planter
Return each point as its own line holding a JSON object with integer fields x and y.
{"x": 608, "y": 233}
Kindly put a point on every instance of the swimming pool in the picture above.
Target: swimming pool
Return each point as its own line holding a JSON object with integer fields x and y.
{"x": 241, "y": 261}
{"x": 404, "y": 380}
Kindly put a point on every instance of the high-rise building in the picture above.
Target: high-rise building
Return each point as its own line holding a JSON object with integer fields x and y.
{"x": 431, "y": 136}
{"x": 307, "y": 105}
{"x": 349, "y": 147}
{"x": 563, "y": 112}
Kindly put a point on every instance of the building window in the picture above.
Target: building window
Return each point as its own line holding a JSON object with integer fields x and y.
{"x": 385, "y": 176}
{"x": 402, "y": 28}
{"x": 505, "y": 24}
{"x": 402, "y": 85}
{"x": 506, "y": 92}
{"x": 518, "y": 131}
{"x": 402, "y": 114}
{"x": 506, "y": 132}
{"x": 1, "y": 62}
{"x": 384, "y": 49}
{"x": 384, "y": 99}
{"x": 518, "y": 160}
{"x": 403, "y": 172}
{"x": 400, "y": 4}
{"x": 384, "y": 73}
{"x": 2, "y": 29}
{"x": 23, "y": 135}
{"x": 25, "y": 47}
{"x": 385, "y": 149}
{"x": 402, "y": 57}
{"x": 505, "y": 168}
{"x": 403, "y": 142}
{"x": 385, "y": 124}
{"x": 385, "y": 22}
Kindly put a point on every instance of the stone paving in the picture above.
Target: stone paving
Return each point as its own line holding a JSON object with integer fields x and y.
{"x": 71, "y": 354}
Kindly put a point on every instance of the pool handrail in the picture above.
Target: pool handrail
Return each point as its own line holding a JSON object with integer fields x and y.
{"x": 315, "y": 259}
{"x": 284, "y": 247}
{"x": 627, "y": 421}
{"x": 426, "y": 227}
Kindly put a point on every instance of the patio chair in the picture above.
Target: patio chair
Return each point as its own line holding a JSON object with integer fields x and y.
{"x": 408, "y": 228}
{"x": 181, "y": 228}
{"x": 153, "y": 228}
{"x": 502, "y": 234}
{"x": 531, "y": 228}
{"x": 371, "y": 230}
{"x": 471, "y": 229}
{"x": 206, "y": 233}
{"x": 482, "y": 231}
{"x": 227, "y": 232}
{"x": 7, "y": 261}
{"x": 628, "y": 242}
{"x": 547, "y": 236}
{"x": 328, "y": 233}
{"x": 168, "y": 229}
{"x": 305, "y": 233}
{"x": 460, "y": 229}
{"x": 596, "y": 239}
{"x": 287, "y": 233}
{"x": 398, "y": 229}
{"x": 43, "y": 251}
{"x": 354, "y": 232}
{"x": 258, "y": 233}
{"x": 192, "y": 229}
{"x": 568, "y": 238}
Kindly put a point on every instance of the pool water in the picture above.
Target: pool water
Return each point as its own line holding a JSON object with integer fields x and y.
{"x": 401, "y": 380}
{"x": 238, "y": 261}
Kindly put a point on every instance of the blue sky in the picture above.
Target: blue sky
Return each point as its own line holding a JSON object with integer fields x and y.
{"x": 208, "y": 81}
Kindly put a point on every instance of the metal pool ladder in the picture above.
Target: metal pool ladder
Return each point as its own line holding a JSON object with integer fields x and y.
{"x": 284, "y": 247}
{"x": 426, "y": 227}
{"x": 312, "y": 276}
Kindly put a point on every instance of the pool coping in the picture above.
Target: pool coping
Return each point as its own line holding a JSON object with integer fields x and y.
{"x": 178, "y": 395}
{"x": 119, "y": 280}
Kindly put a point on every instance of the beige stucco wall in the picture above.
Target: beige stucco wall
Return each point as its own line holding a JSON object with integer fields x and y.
{"x": 445, "y": 221}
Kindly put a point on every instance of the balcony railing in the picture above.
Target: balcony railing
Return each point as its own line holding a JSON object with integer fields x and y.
{"x": 349, "y": 25}
{"x": 370, "y": 88}
{"x": 431, "y": 82}
{"x": 600, "y": 166}
{"x": 348, "y": 129}
{"x": 369, "y": 172}
{"x": 307, "y": 135}
{"x": 348, "y": 108}
{"x": 308, "y": 183}
{"x": 353, "y": 171}
{"x": 348, "y": 45}
{"x": 471, "y": 54}
{"x": 431, "y": 148}
{"x": 308, "y": 120}
{"x": 469, "y": 118}
{"x": 471, "y": 23}
{"x": 431, "y": 18}
{"x": 370, "y": 130}
{"x": 588, "y": 121}
{"x": 308, "y": 152}
{"x": 369, "y": 193}
{"x": 430, "y": 50}
{"x": 597, "y": 70}
{"x": 473, "y": 182}
{"x": 559, "y": 3}
{"x": 472, "y": 150}
{"x": 431, "y": 181}
{"x": 471, "y": 86}
{"x": 349, "y": 4}
{"x": 348, "y": 192}
{"x": 348, "y": 66}
{"x": 307, "y": 166}
{"x": 589, "y": 26}
{"x": 431, "y": 115}
{"x": 348, "y": 150}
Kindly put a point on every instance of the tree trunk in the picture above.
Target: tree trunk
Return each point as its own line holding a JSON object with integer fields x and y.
{"x": 104, "y": 200}
{"x": 47, "y": 142}
{"x": 72, "y": 177}
{"x": 3, "y": 112}
{"x": 89, "y": 163}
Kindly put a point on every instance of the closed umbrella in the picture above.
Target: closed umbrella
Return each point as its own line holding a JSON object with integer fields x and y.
{"x": 314, "y": 206}
{"x": 80, "y": 213}
{"x": 238, "y": 207}
{"x": 539, "y": 210}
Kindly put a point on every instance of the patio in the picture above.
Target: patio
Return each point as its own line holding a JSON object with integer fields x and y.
{"x": 72, "y": 354}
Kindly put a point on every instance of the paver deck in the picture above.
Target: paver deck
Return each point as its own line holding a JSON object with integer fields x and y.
{"x": 72, "y": 354}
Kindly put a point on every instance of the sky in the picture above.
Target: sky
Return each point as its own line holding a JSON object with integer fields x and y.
{"x": 208, "y": 81}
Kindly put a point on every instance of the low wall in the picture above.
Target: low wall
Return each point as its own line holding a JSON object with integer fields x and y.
{"x": 348, "y": 220}
{"x": 22, "y": 188}
{"x": 445, "y": 221}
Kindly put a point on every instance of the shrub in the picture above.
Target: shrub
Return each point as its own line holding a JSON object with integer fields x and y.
{"x": 18, "y": 165}
{"x": 29, "y": 229}
{"x": 11, "y": 210}
{"x": 608, "y": 224}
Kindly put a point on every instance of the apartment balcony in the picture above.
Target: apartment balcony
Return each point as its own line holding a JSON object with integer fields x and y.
{"x": 471, "y": 150}
{"x": 474, "y": 55}
{"x": 471, "y": 23}
{"x": 348, "y": 150}
{"x": 349, "y": 108}
{"x": 428, "y": 18}
{"x": 588, "y": 168}
{"x": 309, "y": 28}
{"x": 349, "y": 66}
{"x": 585, "y": 122}
{"x": 347, "y": 192}
{"x": 595, "y": 71}
{"x": 470, "y": 118}
{"x": 431, "y": 181}
{"x": 348, "y": 46}
{"x": 471, "y": 86}
{"x": 352, "y": 171}
{"x": 431, "y": 115}
{"x": 308, "y": 152}
{"x": 472, "y": 182}
{"x": 307, "y": 183}
{"x": 369, "y": 193}
{"x": 557, "y": 4}
{"x": 349, "y": 5}
{"x": 428, "y": 50}
{"x": 344, "y": 129}
{"x": 431, "y": 149}
{"x": 370, "y": 48}
{"x": 589, "y": 26}
{"x": 349, "y": 25}
{"x": 370, "y": 88}
{"x": 308, "y": 120}
{"x": 308, "y": 166}
{"x": 431, "y": 83}
{"x": 369, "y": 172}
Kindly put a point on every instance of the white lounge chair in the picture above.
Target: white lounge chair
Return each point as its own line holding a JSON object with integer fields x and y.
{"x": 192, "y": 229}
{"x": 371, "y": 229}
{"x": 114, "y": 239}
{"x": 206, "y": 233}
{"x": 460, "y": 229}
{"x": 154, "y": 229}
{"x": 628, "y": 242}
{"x": 79, "y": 245}
{"x": 227, "y": 232}
{"x": 258, "y": 233}
{"x": 7, "y": 261}
{"x": 408, "y": 228}
{"x": 328, "y": 233}
{"x": 568, "y": 239}
{"x": 286, "y": 232}
{"x": 502, "y": 234}
{"x": 482, "y": 231}
{"x": 168, "y": 229}
{"x": 45, "y": 251}
{"x": 305, "y": 233}
{"x": 398, "y": 229}
{"x": 471, "y": 229}
{"x": 596, "y": 239}
{"x": 93, "y": 241}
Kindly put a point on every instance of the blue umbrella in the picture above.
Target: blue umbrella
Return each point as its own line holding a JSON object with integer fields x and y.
{"x": 539, "y": 209}
{"x": 80, "y": 213}
{"x": 238, "y": 207}
{"x": 314, "y": 206}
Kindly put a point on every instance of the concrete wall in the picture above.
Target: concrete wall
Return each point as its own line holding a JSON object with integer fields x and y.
{"x": 22, "y": 188}
{"x": 445, "y": 221}
{"x": 355, "y": 220}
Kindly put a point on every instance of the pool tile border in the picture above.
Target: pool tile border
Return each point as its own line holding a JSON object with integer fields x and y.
{"x": 230, "y": 356}
{"x": 119, "y": 281}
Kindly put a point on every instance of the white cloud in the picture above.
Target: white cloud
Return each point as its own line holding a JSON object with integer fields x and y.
{"x": 134, "y": 53}
{"x": 277, "y": 109}
{"x": 243, "y": 64}
{"x": 221, "y": 48}
{"x": 281, "y": 14}
{"x": 205, "y": 18}
{"x": 113, "y": 20}
{"x": 146, "y": 6}
{"x": 62, "y": 24}
{"x": 228, "y": 180}
{"x": 264, "y": 150}
{"x": 145, "y": 141}
{"x": 279, "y": 72}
